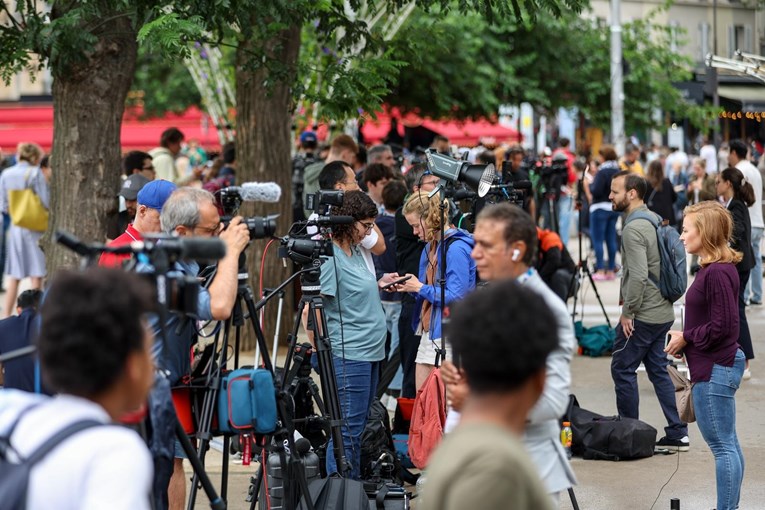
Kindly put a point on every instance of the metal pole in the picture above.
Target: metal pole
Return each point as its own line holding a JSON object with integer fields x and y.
{"x": 617, "y": 84}
{"x": 713, "y": 76}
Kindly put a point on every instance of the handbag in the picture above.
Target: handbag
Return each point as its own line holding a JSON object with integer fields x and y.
{"x": 683, "y": 396}
{"x": 26, "y": 209}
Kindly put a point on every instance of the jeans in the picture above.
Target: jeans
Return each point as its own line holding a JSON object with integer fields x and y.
{"x": 409, "y": 343}
{"x": 744, "y": 335}
{"x": 603, "y": 228}
{"x": 392, "y": 314}
{"x": 564, "y": 217}
{"x": 715, "y": 405}
{"x": 647, "y": 345}
{"x": 356, "y": 388}
{"x": 754, "y": 287}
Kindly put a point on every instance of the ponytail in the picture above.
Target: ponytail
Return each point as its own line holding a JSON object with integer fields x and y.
{"x": 742, "y": 190}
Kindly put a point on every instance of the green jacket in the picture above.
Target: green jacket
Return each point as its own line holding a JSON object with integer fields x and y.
{"x": 640, "y": 298}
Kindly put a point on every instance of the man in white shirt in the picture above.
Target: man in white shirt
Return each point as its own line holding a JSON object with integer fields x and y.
{"x": 709, "y": 153}
{"x": 738, "y": 158}
{"x": 94, "y": 350}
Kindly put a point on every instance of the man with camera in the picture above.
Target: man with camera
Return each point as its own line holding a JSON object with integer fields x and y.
{"x": 505, "y": 248}
{"x": 191, "y": 212}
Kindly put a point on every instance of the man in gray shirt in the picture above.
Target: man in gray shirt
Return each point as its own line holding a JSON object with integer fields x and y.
{"x": 646, "y": 314}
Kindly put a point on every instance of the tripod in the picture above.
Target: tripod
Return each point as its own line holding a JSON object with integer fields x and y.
{"x": 244, "y": 301}
{"x": 295, "y": 364}
{"x": 582, "y": 268}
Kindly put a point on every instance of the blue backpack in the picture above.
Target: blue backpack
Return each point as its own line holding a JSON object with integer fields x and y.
{"x": 673, "y": 278}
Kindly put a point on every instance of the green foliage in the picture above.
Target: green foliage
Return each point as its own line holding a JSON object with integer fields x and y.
{"x": 171, "y": 33}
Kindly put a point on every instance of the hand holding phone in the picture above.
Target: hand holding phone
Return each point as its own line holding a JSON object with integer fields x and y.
{"x": 667, "y": 339}
{"x": 396, "y": 282}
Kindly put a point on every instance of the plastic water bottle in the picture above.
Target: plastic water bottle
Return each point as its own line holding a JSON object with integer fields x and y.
{"x": 566, "y": 437}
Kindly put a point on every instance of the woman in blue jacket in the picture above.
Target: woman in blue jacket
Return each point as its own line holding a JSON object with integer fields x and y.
{"x": 424, "y": 215}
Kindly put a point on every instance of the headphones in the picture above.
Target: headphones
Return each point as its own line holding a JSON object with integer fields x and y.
{"x": 516, "y": 255}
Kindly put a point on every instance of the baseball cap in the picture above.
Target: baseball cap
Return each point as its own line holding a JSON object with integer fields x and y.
{"x": 308, "y": 136}
{"x": 132, "y": 185}
{"x": 154, "y": 194}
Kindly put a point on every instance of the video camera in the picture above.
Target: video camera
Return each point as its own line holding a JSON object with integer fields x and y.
{"x": 230, "y": 199}
{"x": 553, "y": 173}
{"x": 305, "y": 242}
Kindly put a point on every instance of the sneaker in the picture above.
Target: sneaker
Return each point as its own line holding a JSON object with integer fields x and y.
{"x": 677, "y": 445}
{"x": 599, "y": 277}
{"x": 747, "y": 375}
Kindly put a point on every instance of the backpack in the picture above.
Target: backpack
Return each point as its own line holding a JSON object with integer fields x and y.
{"x": 595, "y": 341}
{"x": 14, "y": 475}
{"x": 379, "y": 456}
{"x": 428, "y": 418}
{"x": 673, "y": 278}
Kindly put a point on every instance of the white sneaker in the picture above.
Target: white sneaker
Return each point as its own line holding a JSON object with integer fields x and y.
{"x": 747, "y": 374}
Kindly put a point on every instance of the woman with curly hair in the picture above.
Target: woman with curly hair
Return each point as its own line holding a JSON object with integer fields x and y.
{"x": 355, "y": 325}
{"x": 424, "y": 215}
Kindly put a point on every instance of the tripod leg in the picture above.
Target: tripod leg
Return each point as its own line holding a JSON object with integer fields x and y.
{"x": 571, "y": 494}
{"x": 216, "y": 502}
{"x": 597, "y": 295}
{"x": 256, "y": 483}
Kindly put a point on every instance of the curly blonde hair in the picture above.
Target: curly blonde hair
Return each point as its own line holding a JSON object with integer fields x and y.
{"x": 428, "y": 211}
{"x": 29, "y": 152}
{"x": 715, "y": 225}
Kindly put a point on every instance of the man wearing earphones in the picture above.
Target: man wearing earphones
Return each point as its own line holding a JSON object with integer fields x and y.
{"x": 505, "y": 247}
{"x": 646, "y": 316}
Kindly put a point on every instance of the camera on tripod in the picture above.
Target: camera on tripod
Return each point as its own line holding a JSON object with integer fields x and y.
{"x": 230, "y": 199}
{"x": 553, "y": 175}
{"x": 321, "y": 201}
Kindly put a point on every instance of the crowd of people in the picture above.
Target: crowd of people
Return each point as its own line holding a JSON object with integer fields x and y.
{"x": 408, "y": 258}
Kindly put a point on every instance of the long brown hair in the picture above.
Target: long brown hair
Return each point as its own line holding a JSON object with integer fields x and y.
{"x": 655, "y": 174}
{"x": 357, "y": 205}
{"x": 715, "y": 225}
{"x": 742, "y": 190}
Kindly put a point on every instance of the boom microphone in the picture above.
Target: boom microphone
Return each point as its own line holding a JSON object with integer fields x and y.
{"x": 514, "y": 185}
{"x": 256, "y": 191}
{"x": 197, "y": 248}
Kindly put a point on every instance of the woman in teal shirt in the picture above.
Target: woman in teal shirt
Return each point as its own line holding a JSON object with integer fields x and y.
{"x": 356, "y": 324}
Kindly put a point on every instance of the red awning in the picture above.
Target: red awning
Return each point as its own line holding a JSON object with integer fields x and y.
{"x": 35, "y": 124}
{"x": 458, "y": 132}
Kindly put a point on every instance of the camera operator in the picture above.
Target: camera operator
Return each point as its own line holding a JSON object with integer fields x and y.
{"x": 505, "y": 246}
{"x": 514, "y": 171}
{"x": 191, "y": 212}
{"x": 355, "y": 322}
{"x": 94, "y": 348}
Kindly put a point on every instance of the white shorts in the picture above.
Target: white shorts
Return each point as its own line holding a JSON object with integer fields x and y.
{"x": 426, "y": 352}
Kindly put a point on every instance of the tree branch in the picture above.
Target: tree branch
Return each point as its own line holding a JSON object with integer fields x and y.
{"x": 11, "y": 17}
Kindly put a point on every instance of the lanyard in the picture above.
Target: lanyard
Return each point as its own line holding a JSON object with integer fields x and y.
{"x": 525, "y": 276}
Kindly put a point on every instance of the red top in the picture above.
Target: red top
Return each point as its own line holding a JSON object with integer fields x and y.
{"x": 114, "y": 260}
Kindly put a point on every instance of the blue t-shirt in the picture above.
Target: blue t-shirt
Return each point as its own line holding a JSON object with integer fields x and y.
{"x": 351, "y": 290}
{"x": 175, "y": 355}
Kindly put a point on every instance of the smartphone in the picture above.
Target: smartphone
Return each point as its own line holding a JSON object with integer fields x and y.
{"x": 666, "y": 343}
{"x": 400, "y": 280}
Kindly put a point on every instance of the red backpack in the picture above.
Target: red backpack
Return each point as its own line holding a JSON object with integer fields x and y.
{"x": 428, "y": 418}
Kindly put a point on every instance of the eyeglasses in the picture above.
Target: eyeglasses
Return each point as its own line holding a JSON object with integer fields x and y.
{"x": 150, "y": 167}
{"x": 368, "y": 226}
{"x": 209, "y": 230}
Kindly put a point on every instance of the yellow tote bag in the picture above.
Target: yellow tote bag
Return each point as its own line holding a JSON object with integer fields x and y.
{"x": 26, "y": 209}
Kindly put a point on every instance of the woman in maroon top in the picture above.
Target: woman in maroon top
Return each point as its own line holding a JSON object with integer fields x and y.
{"x": 709, "y": 341}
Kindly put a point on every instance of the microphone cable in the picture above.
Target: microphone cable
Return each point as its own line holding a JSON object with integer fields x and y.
{"x": 677, "y": 468}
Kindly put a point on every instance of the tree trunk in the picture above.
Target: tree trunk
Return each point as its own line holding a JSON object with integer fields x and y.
{"x": 263, "y": 140}
{"x": 88, "y": 103}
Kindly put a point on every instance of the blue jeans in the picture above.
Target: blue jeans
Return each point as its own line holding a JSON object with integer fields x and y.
{"x": 392, "y": 314}
{"x": 754, "y": 287}
{"x": 356, "y": 388}
{"x": 715, "y": 405}
{"x": 564, "y": 217}
{"x": 603, "y": 228}
{"x": 647, "y": 345}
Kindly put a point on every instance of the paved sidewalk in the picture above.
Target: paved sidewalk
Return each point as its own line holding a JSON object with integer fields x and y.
{"x": 631, "y": 485}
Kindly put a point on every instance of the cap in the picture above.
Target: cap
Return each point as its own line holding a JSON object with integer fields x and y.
{"x": 308, "y": 136}
{"x": 155, "y": 193}
{"x": 132, "y": 185}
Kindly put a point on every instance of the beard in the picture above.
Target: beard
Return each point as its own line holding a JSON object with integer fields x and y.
{"x": 620, "y": 206}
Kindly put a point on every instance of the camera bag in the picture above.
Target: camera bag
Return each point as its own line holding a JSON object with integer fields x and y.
{"x": 247, "y": 402}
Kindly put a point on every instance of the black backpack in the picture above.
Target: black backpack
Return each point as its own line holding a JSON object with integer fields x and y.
{"x": 378, "y": 451}
{"x": 15, "y": 471}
